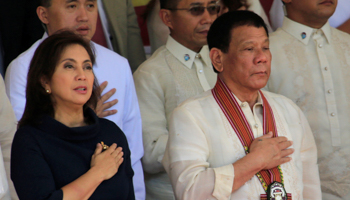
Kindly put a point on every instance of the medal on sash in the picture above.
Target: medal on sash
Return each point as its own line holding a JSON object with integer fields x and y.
{"x": 272, "y": 179}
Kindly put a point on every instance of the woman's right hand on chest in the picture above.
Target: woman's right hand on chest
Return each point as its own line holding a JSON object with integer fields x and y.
{"x": 107, "y": 162}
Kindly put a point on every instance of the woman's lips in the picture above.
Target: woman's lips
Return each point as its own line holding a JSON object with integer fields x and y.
{"x": 81, "y": 89}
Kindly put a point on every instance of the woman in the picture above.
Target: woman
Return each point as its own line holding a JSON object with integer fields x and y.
{"x": 57, "y": 151}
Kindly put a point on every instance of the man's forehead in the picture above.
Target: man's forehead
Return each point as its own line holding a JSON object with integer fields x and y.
{"x": 245, "y": 34}
{"x": 197, "y": 2}
{"x": 70, "y": 1}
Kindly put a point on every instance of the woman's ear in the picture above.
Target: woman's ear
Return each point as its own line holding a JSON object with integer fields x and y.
{"x": 216, "y": 57}
{"x": 45, "y": 84}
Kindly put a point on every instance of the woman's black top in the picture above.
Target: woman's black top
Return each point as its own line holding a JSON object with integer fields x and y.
{"x": 51, "y": 155}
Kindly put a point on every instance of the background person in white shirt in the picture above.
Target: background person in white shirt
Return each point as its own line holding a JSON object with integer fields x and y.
{"x": 205, "y": 158}
{"x": 311, "y": 66}
{"x": 80, "y": 16}
{"x": 340, "y": 19}
{"x": 175, "y": 72}
{"x": 158, "y": 32}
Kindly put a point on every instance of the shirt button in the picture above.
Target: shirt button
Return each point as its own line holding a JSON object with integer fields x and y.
{"x": 329, "y": 91}
{"x": 256, "y": 126}
{"x": 200, "y": 71}
{"x": 320, "y": 45}
{"x": 243, "y": 105}
{"x": 326, "y": 68}
{"x": 332, "y": 114}
{"x": 198, "y": 56}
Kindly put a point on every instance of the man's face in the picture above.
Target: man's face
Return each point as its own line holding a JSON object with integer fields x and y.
{"x": 247, "y": 64}
{"x": 79, "y": 16}
{"x": 310, "y": 12}
{"x": 188, "y": 29}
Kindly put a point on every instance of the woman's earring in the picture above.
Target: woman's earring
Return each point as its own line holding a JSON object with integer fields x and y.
{"x": 48, "y": 91}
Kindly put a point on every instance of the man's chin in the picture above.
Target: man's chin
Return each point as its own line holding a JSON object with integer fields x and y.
{"x": 85, "y": 34}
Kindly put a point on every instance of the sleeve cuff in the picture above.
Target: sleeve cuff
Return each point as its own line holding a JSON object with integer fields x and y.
{"x": 223, "y": 181}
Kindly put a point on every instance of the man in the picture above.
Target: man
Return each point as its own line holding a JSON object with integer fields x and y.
{"x": 8, "y": 124}
{"x": 340, "y": 19}
{"x": 158, "y": 32}
{"x": 80, "y": 16}
{"x": 117, "y": 29}
{"x": 175, "y": 72}
{"x": 212, "y": 152}
{"x": 311, "y": 66}
{"x": 121, "y": 30}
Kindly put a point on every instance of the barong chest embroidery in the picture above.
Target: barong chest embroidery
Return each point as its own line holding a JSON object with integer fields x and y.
{"x": 272, "y": 179}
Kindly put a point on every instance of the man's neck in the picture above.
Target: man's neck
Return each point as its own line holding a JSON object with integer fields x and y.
{"x": 186, "y": 44}
{"x": 242, "y": 93}
{"x": 251, "y": 98}
{"x": 316, "y": 23}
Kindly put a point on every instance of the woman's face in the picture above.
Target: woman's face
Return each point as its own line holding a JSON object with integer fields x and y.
{"x": 72, "y": 82}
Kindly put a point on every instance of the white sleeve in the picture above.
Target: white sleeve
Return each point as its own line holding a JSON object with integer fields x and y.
{"x": 8, "y": 124}
{"x": 308, "y": 154}
{"x": 154, "y": 129}
{"x": 15, "y": 82}
{"x": 132, "y": 126}
{"x": 186, "y": 161}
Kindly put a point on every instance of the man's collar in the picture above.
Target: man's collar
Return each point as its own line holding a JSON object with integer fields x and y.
{"x": 304, "y": 33}
{"x": 258, "y": 102}
{"x": 44, "y": 36}
{"x": 186, "y": 56}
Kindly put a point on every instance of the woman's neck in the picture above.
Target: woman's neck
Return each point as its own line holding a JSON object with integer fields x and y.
{"x": 71, "y": 117}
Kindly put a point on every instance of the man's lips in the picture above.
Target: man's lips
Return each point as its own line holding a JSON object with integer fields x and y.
{"x": 203, "y": 32}
{"x": 260, "y": 73}
{"x": 83, "y": 30}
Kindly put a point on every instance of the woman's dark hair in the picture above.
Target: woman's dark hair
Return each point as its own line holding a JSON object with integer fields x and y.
{"x": 219, "y": 35}
{"x": 43, "y": 66}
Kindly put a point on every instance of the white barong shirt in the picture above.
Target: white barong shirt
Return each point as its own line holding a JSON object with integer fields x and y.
{"x": 314, "y": 73}
{"x": 163, "y": 82}
{"x": 202, "y": 147}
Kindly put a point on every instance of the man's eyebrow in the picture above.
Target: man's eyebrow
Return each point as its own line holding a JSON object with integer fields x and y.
{"x": 70, "y": 1}
{"x": 200, "y": 3}
{"x": 251, "y": 42}
{"x": 196, "y": 4}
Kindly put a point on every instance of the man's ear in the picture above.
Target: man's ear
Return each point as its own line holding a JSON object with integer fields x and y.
{"x": 216, "y": 57}
{"x": 42, "y": 14}
{"x": 165, "y": 16}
